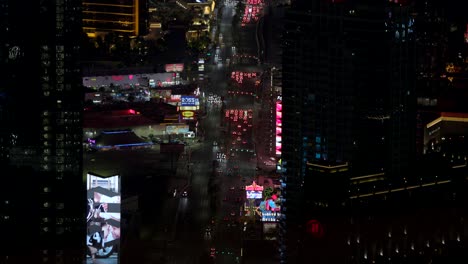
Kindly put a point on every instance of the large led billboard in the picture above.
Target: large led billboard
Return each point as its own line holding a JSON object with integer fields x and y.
{"x": 103, "y": 217}
{"x": 174, "y": 67}
{"x": 270, "y": 209}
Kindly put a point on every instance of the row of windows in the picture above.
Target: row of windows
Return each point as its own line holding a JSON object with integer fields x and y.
{"x": 62, "y": 114}
{"x": 58, "y": 206}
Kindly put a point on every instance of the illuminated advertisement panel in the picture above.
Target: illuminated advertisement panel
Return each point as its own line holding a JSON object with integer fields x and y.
{"x": 279, "y": 110}
{"x": 174, "y": 67}
{"x": 269, "y": 209}
{"x": 187, "y": 100}
{"x": 254, "y": 191}
{"x": 103, "y": 217}
{"x": 254, "y": 194}
{"x": 175, "y": 98}
{"x": 187, "y": 115}
{"x": 270, "y": 216}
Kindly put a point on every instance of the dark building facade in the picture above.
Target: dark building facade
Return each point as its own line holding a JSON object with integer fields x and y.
{"x": 349, "y": 111}
{"x": 41, "y": 101}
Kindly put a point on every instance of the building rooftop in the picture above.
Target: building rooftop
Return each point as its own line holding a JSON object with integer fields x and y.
{"x": 122, "y": 116}
{"x": 120, "y": 138}
{"x": 110, "y": 121}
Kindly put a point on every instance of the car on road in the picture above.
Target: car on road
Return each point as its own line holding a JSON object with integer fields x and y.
{"x": 233, "y": 213}
{"x": 232, "y": 188}
{"x": 184, "y": 194}
{"x": 226, "y": 218}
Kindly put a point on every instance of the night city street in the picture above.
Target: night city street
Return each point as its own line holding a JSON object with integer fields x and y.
{"x": 234, "y": 132}
{"x": 210, "y": 217}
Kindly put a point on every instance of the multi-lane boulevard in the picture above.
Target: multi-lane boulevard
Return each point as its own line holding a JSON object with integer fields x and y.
{"x": 177, "y": 229}
{"x": 209, "y": 220}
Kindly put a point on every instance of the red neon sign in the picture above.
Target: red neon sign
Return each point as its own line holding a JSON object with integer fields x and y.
{"x": 315, "y": 228}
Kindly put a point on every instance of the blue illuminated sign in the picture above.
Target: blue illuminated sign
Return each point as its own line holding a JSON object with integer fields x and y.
{"x": 188, "y": 101}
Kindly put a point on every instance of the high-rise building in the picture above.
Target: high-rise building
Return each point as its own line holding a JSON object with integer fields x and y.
{"x": 42, "y": 213}
{"x": 122, "y": 17}
{"x": 348, "y": 105}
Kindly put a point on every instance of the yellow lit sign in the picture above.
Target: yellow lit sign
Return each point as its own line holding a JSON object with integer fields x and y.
{"x": 187, "y": 114}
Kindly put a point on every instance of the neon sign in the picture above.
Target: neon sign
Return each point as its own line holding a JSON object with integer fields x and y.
{"x": 278, "y": 137}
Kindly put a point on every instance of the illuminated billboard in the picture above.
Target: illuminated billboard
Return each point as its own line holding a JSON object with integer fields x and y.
{"x": 103, "y": 217}
{"x": 187, "y": 115}
{"x": 174, "y": 67}
{"x": 269, "y": 209}
{"x": 187, "y": 100}
{"x": 254, "y": 194}
{"x": 278, "y": 131}
{"x": 254, "y": 191}
{"x": 270, "y": 216}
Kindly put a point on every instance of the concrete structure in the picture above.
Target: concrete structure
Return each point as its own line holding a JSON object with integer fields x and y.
{"x": 447, "y": 135}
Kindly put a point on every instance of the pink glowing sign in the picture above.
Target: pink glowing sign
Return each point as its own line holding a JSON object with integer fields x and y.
{"x": 117, "y": 78}
{"x": 279, "y": 116}
{"x": 254, "y": 187}
{"x": 254, "y": 191}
